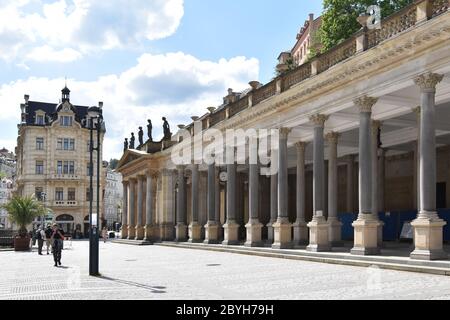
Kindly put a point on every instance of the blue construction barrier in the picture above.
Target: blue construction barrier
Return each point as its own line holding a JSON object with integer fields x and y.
{"x": 393, "y": 223}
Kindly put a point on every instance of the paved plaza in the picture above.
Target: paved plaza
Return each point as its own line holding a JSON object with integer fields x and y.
{"x": 155, "y": 272}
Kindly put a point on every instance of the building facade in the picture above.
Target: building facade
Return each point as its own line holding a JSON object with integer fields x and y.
{"x": 307, "y": 42}
{"x": 7, "y": 163}
{"x": 362, "y": 134}
{"x": 53, "y": 157}
{"x": 113, "y": 198}
{"x": 6, "y": 187}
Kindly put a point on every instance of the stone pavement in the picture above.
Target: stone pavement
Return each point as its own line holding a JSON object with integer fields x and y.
{"x": 155, "y": 272}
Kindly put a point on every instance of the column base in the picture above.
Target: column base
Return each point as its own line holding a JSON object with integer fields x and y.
{"x": 300, "y": 233}
{"x": 180, "y": 232}
{"x": 211, "y": 233}
{"x": 231, "y": 234}
{"x": 195, "y": 233}
{"x": 131, "y": 232}
{"x": 335, "y": 232}
{"x": 428, "y": 239}
{"x": 140, "y": 233}
{"x": 166, "y": 231}
{"x": 254, "y": 234}
{"x": 151, "y": 233}
{"x": 124, "y": 232}
{"x": 318, "y": 235}
{"x": 270, "y": 231}
{"x": 366, "y": 235}
{"x": 282, "y": 234}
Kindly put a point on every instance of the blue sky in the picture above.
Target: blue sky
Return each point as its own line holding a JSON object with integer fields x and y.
{"x": 157, "y": 57}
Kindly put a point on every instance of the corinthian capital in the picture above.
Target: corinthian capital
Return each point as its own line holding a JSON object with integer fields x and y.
{"x": 301, "y": 146}
{"x": 284, "y": 132}
{"x": 428, "y": 81}
{"x": 332, "y": 137}
{"x": 319, "y": 119}
{"x": 365, "y": 103}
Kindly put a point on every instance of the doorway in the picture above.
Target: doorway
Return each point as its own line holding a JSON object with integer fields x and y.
{"x": 441, "y": 195}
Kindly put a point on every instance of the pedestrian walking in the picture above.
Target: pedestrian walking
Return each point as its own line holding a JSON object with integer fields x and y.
{"x": 104, "y": 234}
{"x": 57, "y": 243}
{"x": 48, "y": 237}
{"x": 40, "y": 237}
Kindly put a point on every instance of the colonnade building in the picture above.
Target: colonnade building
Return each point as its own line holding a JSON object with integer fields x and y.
{"x": 362, "y": 130}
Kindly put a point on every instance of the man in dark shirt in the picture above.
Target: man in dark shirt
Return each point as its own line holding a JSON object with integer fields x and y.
{"x": 48, "y": 236}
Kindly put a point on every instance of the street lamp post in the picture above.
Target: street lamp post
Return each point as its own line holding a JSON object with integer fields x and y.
{"x": 96, "y": 118}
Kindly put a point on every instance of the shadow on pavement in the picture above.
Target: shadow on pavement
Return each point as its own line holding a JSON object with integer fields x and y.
{"x": 153, "y": 289}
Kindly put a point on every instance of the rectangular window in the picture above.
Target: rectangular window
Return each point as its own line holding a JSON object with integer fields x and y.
{"x": 40, "y": 120}
{"x": 71, "y": 194}
{"x": 71, "y": 144}
{"x": 59, "y": 194}
{"x": 38, "y": 191}
{"x": 59, "y": 144}
{"x": 66, "y": 121}
{"x": 39, "y": 167}
{"x": 66, "y": 144}
{"x": 88, "y": 195}
{"x": 59, "y": 167}
{"x": 71, "y": 167}
{"x": 66, "y": 167}
{"x": 39, "y": 143}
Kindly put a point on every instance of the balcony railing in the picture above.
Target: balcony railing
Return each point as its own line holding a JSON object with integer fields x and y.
{"x": 65, "y": 203}
{"x": 65, "y": 177}
{"x": 363, "y": 40}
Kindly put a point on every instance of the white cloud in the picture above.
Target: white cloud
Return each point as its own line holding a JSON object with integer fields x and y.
{"x": 46, "y": 54}
{"x": 83, "y": 25}
{"x": 175, "y": 85}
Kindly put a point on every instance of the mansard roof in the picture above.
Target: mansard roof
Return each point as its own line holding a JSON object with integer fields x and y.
{"x": 51, "y": 110}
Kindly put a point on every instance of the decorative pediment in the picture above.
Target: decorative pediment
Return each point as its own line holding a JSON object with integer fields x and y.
{"x": 128, "y": 157}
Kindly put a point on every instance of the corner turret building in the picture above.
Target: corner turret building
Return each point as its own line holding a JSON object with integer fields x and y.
{"x": 53, "y": 159}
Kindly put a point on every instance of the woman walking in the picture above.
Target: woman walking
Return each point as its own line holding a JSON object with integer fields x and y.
{"x": 57, "y": 243}
{"x": 104, "y": 234}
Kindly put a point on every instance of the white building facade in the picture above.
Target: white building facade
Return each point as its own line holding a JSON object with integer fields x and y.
{"x": 113, "y": 198}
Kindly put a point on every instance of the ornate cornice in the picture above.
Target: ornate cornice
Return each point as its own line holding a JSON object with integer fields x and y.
{"x": 319, "y": 120}
{"x": 365, "y": 103}
{"x": 428, "y": 81}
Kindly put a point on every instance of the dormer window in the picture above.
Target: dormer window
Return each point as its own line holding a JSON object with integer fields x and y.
{"x": 66, "y": 121}
{"x": 40, "y": 120}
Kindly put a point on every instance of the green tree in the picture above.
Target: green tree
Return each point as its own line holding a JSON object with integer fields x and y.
{"x": 23, "y": 210}
{"x": 339, "y": 19}
{"x": 113, "y": 164}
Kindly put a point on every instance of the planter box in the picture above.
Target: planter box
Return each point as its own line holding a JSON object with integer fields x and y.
{"x": 21, "y": 244}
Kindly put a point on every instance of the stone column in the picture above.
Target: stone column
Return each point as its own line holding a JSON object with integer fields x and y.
{"x": 428, "y": 227}
{"x": 318, "y": 227}
{"x": 335, "y": 224}
{"x": 150, "y": 228}
{"x": 283, "y": 228}
{"x": 124, "y": 230}
{"x": 350, "y": 184}
{"x": 140, "y": 211}
{"x": 195, "y": 229}
{"x": 132, "y": 210}
{"x": 217, "y": 204}
{"x": 211, "y": 227}
{"x": 180, "y": 227}
{"x": 167, "y": 222}
{"x": 254, "y": 227}
{"x": 416, "y": 163}
{"x": 273, "y": 206}
{"x": 231, "y": 228}
{"x": 300, "y": 228}
{"x": 366, "y": 226}
{"x": 376, "y": 126}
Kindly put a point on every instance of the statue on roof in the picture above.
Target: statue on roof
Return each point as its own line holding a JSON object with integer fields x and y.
{"x": 125, "y": 145}
{"x": 132, "y": 139}
{"x": 149, "y": 130}
{"x": 166, "y": 129}
{"x": 141, "y": 136}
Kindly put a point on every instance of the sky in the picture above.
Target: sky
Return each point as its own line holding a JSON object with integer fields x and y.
{"x": 143, "y": 59}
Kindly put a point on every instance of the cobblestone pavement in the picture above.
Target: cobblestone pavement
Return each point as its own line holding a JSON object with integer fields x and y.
{"x": 154, "y": 272}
